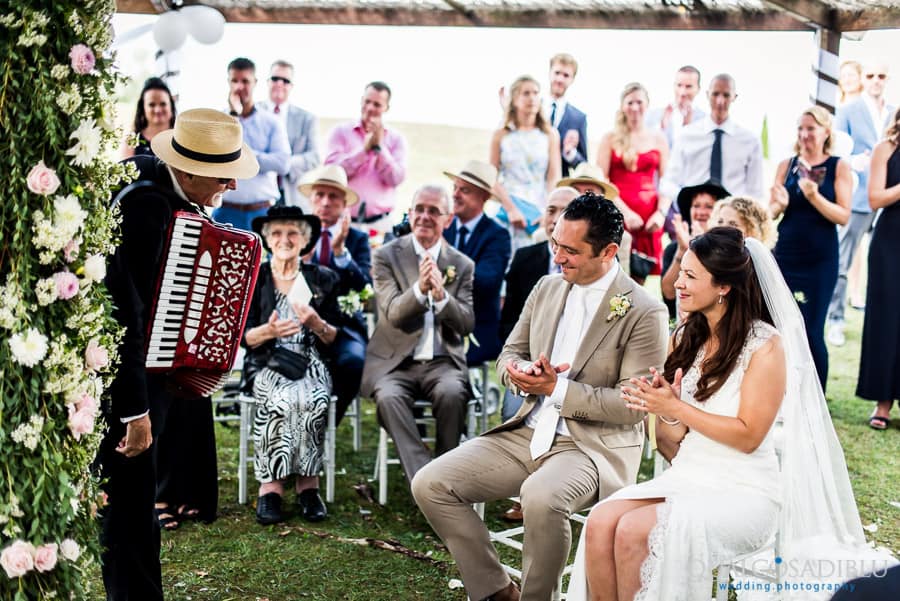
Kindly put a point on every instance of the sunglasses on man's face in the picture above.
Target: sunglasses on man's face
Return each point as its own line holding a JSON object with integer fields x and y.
{"x": 878, "y": 75}
{"x": 224, "y": 181}
{"x": 284, "y": 80}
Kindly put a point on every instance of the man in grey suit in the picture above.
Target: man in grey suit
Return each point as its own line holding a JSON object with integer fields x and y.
{"x": 865, "y": 119}
{"x": 301, "y": 129}
{"x": 581, "y": 335}
{"x": 423, "y": 289}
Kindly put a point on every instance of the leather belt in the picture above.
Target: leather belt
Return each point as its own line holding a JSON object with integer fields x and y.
{"x": 248, "y": 206}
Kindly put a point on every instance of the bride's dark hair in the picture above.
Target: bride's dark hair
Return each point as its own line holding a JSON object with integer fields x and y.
{"x": 722, "y": 252}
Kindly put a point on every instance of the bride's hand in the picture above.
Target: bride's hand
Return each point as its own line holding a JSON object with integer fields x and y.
{"x": 661, "y": 399}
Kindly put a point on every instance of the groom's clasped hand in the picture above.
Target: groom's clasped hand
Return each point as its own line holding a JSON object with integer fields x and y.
{"x": 654, "y": 395}
{"x": 535, "y": 377}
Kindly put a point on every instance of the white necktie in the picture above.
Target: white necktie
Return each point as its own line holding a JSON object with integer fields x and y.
{"x": 548, "y": 418}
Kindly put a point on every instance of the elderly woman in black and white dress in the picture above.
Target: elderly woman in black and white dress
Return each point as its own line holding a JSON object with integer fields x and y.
{"x": 284, "y": 367}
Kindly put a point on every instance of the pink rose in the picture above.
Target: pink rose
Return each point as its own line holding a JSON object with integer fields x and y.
{"x": 42, "y": 180}
{"x": 95, "y": 356}
{"x": 70, "y": 250}
{"x": 87, "y": 403}
{"x": 82, "y": 59}
{"x": 45, "y": 557}
{"x": 81, "y": 422}
{"x": 66, "y": 284}
{"x": 17, "y": 559}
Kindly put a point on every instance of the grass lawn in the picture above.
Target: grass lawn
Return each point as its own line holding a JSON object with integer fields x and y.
{"x": 234, "y": 558}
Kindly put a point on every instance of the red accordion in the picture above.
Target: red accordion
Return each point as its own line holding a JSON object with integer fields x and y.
{"x": 203, "y": 296}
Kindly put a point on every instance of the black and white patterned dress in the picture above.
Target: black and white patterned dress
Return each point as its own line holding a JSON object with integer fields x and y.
{"x": 291, "y": 415}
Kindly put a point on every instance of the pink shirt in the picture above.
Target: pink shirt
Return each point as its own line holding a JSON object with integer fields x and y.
{"x": 373, "y": 175}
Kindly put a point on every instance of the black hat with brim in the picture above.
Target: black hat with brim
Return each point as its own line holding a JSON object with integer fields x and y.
{"x": 286, "y": 213}
{"x": 687, "y": 194}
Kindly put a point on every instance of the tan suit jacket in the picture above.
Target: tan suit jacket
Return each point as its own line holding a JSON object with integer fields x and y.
{"x": 401, "y": 317}
{"x": 612, "y": 351}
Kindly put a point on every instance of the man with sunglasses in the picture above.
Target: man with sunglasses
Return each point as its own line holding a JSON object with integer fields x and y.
{"x": 266, "y": 136}
{"x": 865, "y": 120}
{"x": 301, "y": 131}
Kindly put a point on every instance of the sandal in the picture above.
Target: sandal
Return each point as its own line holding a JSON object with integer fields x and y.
{"x": 167, "y": 521}
{"x": 876, "y": 422}
{"x": 187, "y": 513}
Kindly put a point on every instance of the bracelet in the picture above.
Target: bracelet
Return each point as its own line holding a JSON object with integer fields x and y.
{"x": 674, "y": 422}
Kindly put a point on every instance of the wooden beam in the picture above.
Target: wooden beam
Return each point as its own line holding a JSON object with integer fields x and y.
{"x": 872, "y": 18}
{"x": 809, "y": 11}
{"x": 136, "y": 6}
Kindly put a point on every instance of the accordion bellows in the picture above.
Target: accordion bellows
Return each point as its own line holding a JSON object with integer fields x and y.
{"x": 203, "y": 296}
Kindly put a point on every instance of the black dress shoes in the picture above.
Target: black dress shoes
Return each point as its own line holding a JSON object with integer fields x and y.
{"x": 268, "y": 509}
{"x": 310, "y": 504}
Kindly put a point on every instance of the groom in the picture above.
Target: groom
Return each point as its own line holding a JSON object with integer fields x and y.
{"x": 581, "y": 335}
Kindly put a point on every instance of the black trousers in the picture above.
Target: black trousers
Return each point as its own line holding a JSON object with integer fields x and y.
{"x": 129, "y": 529}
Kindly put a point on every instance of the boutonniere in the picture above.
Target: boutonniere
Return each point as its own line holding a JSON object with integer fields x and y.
{"x": 449, "y": 274}
{"x": 800, "y": 297}
{"x": 354, "y": 302}
{"x": 618, "y": 306}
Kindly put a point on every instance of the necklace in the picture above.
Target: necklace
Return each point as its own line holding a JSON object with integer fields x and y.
{"x": 286, "y": 278}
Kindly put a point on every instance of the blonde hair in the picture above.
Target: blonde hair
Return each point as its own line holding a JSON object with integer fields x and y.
{"x": 823, "y": 118}
{"x": 566, "y": 59}
{"x": 511, "y": 122}
{"x": 754, "y": 217}
{"x": 621, "y": 135}
{"x": 893, "y": 131}
{"x": 856, "y": 67}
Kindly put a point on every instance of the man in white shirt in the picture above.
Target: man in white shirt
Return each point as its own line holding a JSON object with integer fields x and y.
{"x": 716, "y": 148}
{"x": 865, "y": 119}
{"x": 681, "y": 112}
{"x": 301, "y": 130}
{"x": 582, "y": 334}
{"x": 568, "y": 120}
{"x": 423, "y": 289}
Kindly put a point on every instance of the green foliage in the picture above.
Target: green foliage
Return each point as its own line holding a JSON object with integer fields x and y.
{"x": 57, "y": 338}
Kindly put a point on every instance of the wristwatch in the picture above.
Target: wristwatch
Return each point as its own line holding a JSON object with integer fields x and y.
{"x": 376, "y": 148}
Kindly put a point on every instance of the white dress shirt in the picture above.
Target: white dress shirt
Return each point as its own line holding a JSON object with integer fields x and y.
{"x": 741, "y": 159}
{"x": 567, "y": 342}
{"x": 429, "y": 334}
{"x": 879, "y": 116}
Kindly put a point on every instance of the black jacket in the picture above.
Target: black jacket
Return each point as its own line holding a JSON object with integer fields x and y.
{"x": 529, "y": 264}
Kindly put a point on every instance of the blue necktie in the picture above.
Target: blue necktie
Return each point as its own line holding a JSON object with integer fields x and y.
{"x": 553, "y": 114}
{"x": 715, "y": 160}
{"x": 463, "y": 236}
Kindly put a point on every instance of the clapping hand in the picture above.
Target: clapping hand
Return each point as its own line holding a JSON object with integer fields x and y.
{"x": 654, "y": 396}
{"x": 780, "y": 197}
{"x": 281, "y": 328}
{"x": 682, "y": 232}
{"x": 337, "y": 243}
{"x": 654, "y": 222}
{"x": 426, "y": 266}
{"x": 375, "y": 132}
{"x": 570, "y": 141}
{"x": 808, "y": 187}
{"x": 535, "y": 378}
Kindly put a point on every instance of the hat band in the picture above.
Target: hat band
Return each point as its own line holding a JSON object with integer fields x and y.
{"x": 324, "y": 181}
{"x": 476, "y": 178}
{"x": 228, "y": 157}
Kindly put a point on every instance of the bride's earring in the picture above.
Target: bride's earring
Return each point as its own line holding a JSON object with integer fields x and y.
{"x": 721, "y": 299}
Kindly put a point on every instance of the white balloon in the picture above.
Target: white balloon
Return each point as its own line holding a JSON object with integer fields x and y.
{"x": 170, "y": 31}
{"x": 205, "y": 23}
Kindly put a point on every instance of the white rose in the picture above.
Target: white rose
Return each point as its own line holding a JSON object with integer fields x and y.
{"x": 95, "y": 268}
{"x": 70, "y": 550}
{"x": 28, "y": 349}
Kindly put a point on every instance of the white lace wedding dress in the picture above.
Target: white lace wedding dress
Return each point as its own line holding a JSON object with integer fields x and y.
{"x": 719, "y": 502}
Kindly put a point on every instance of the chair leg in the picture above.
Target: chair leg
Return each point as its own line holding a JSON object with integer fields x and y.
{"x": 722, "y": 575}
{"x": 382, "y": 466}
{"x": 246, "y": 425}
{"x": 357, "y": 424}
{"x": 485, "y": 385}
{"x": 330, "y": 434}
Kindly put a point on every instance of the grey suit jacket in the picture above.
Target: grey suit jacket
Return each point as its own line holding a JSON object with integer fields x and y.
{"x": 301, "y": 130}
{"x": 401, "y": 317}
{"x": 612, "y": 351}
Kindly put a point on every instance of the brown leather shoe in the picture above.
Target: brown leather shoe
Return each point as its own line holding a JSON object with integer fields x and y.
{"x": 513, "y": 514}
{"x": 508, "y": 593}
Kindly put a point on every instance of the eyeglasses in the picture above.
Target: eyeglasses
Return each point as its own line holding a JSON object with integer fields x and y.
{"x": 433, "y": 212}
{"x": 878, "y": 75}
{"x": 283, "y": 80}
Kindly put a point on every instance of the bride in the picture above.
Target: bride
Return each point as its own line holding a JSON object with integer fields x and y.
{"x": 741, "y": 351}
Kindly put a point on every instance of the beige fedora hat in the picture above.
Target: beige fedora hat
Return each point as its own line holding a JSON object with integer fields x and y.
{"x": 585, "y": 173}
{"x": 208, "y": 143}
{"x": 328, "y": 175}
{"x": 478, "y": 173}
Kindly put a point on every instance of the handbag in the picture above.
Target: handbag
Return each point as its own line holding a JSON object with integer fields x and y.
{"x": 289, "y": 364}
{"x": 531, "y": 213}
{"x": 640, "y": 264}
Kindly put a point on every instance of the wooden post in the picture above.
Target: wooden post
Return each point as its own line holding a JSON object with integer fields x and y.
{"x": 826, "y": 69}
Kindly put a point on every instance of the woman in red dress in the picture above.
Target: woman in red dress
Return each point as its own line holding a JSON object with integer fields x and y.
{"x": 634, "y": 158}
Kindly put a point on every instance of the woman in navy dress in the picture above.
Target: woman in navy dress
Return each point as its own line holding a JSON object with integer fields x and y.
{"x": 879, "y": 366}
{"x": 812, "y": 189}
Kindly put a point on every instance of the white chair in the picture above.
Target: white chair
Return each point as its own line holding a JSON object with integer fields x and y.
{"x": 486, "y": 395}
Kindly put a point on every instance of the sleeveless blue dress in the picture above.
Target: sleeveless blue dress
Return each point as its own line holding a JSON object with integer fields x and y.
{"x": 807, "y": 253}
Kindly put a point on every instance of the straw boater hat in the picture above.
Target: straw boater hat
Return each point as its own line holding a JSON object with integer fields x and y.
{"x": 687, "y": 194}
{"x": 585, "y": 173}
{"x": 288, "y": 213}
{"x": 328, "y": 175}
{"x": 207, "y": 143}
{"x": 478, "y": 173}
